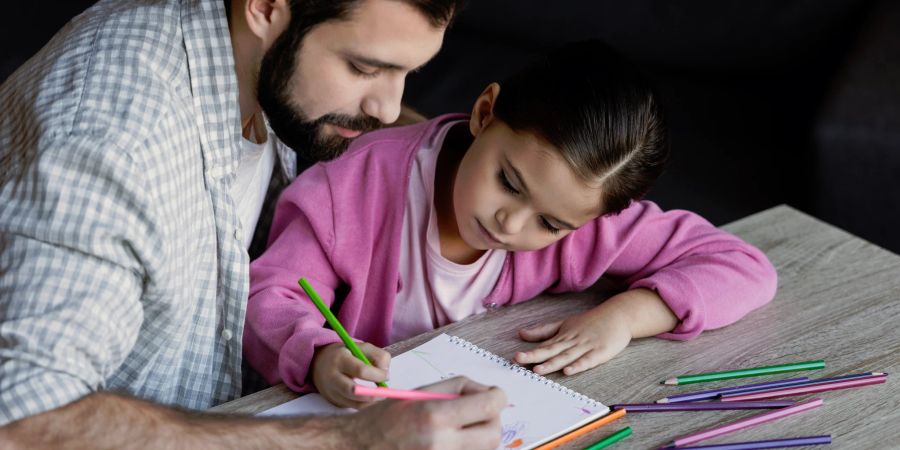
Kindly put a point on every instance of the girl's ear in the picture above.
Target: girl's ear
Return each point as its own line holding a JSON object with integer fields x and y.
{"x": 483, "y": 111}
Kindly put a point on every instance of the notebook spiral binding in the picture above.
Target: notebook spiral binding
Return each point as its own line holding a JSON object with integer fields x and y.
{"x": 523, "y": 371}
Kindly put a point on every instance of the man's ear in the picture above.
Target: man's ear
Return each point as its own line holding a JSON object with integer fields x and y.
{"x": 483, "y": 111}
{"x": 267, "y": 19}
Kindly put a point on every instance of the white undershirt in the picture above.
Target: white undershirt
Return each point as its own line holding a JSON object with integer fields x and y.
{"x": 253, "y": 175}
{"x": 435, "y": 291}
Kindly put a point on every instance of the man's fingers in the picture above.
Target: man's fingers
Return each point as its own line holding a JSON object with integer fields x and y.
{"x": 481, "y": 435}
{"x": 474, "y": 409}
{"x": 540, "y": 332}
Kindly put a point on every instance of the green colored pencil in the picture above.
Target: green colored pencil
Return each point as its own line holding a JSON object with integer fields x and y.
{"x": 610, "y": 440}
{"x": 741, "y": 373}
{"x": 335, "y": 324}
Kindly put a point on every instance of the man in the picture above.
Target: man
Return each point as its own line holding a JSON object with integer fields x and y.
{"x": 136, "y": 150}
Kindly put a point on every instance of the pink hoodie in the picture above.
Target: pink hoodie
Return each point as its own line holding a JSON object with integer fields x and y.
{"x": 339, "y": 225}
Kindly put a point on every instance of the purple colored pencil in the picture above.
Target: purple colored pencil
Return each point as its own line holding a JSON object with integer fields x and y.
{"x": 792, "y": 391}
{"x": 772, "y": 443}
{"x": 751, "y": 421}
{"x": 813, "y": 382}
{"x": 713, "y": 393}
{"x": 705, "y": 406}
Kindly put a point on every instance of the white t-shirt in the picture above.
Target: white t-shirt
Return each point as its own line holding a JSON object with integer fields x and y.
{"x": 253, "y": 175}
{"x": 434, "y": 290}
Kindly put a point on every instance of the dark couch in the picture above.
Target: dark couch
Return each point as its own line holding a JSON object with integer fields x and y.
{"x": 771, "y": 101}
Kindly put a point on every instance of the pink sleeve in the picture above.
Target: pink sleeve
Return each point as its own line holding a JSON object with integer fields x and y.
{"x": 283, "y": 327}
{"x": 708, "y": 277}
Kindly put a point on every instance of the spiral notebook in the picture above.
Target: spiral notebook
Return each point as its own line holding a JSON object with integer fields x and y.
{"x": 539, "y": 410}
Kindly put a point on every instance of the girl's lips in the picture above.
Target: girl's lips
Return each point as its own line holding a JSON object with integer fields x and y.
{"x": 346, "y": 132}
{"x": 487, "y": 234}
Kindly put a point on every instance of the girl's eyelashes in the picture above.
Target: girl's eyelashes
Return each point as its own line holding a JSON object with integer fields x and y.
{"x": 360, "y": 72}
{"x": 508, "y": 187}
{"x": 548, "y": 226}
{"x": 504, "y": 181}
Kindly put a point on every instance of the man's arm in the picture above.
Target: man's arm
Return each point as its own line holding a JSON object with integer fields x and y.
{"x": 104, "y": 420}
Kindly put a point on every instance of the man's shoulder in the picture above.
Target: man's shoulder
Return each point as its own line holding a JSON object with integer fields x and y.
{"x": 116, "y": 62}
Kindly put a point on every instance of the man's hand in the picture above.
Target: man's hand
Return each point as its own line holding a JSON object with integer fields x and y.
{"x": 334, "y": 368}
{"x": 469, "y": 422}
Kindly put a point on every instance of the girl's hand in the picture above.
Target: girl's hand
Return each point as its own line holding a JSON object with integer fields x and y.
{"x": 576, "y": 344}
{"x": 334, "y": 368}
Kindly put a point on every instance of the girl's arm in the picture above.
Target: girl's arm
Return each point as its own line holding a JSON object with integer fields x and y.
{"x": 283, "y": 328}
{"x": 683, "y": 276}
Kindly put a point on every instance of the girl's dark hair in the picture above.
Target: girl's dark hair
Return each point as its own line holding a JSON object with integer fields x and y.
{"x": 591, "y": 104}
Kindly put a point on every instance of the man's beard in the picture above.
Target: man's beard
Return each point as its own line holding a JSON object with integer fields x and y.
{"x": 288, "y": 121}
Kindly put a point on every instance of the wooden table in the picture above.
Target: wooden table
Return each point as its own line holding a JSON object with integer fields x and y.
{"x": 838, "y": 300}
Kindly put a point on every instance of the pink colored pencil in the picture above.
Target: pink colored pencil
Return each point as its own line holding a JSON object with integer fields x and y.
{"x": 403, "y": 394}
{"x": 746, "y": 423}
{"x": 801, "y": 390}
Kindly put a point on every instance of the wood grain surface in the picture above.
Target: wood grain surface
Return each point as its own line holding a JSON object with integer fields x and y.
{"x": 838, "y": 300}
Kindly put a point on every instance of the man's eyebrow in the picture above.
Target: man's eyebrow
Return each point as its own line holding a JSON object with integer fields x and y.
{"x": 521, "y": 182}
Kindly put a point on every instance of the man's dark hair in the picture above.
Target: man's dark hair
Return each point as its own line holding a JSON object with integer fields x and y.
{"x": 595, "y": 107}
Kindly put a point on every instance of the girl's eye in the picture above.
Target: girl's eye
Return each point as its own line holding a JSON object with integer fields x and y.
{"x": 548, "y": 226}
{"x": 360, "y": 72}
{"x": 506, "y": 184}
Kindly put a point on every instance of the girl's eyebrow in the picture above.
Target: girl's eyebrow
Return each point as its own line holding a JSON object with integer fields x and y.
{"x": 519, "y": 180}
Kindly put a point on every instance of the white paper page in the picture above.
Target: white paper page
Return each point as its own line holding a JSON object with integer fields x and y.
{"x": 539, "y": 409}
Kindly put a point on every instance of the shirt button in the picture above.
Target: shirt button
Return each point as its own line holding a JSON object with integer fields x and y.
{"x": 226, "y": 335}
{"x": 237, "y": 233}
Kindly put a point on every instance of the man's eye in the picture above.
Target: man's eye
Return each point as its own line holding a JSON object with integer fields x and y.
{"x": 357, "y": 70}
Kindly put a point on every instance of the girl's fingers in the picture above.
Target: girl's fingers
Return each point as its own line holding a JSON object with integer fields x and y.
{"x": 540, "y": 332}
{"x": 542, "y": 352}
{"x": 587, "y": 361}
{"x": 378, "y": 356}
{"x": 561, "y": 360}
{"x": 352, "y": 367}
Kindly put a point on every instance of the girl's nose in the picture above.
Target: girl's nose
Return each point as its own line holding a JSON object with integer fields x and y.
{"x": 511, "y": 220}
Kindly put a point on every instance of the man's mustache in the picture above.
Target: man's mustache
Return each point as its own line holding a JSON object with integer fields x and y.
{"x": 360, "y": 123}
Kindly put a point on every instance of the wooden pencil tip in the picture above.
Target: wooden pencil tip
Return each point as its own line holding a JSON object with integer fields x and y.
{"x": 671, "y": 381}
{"x": 663, "y": 400}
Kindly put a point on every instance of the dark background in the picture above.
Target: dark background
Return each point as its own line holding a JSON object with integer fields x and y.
{"x": 768, "y": 101}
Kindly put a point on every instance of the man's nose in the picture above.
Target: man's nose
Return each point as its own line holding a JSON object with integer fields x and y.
{"x": 383, "y": 101}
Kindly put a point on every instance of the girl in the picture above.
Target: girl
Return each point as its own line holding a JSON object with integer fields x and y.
{"x": 417, "y": 227}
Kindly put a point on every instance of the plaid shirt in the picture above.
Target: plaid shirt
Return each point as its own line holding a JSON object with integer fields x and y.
{"x": 121, "y": 264}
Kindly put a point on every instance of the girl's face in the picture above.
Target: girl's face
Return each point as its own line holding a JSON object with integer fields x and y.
{"x": 513, "y": 190}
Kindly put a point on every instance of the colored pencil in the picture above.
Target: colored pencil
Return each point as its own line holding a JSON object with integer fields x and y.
{"x": 402, "y": 394}
{"x": 701, "y": 406}
{"x": 610, "y": 440}
{"x": 772, "y": 443}
{"x": 713, "y": 393}
{"x": 335, "y": 324}
{"x": 741, "y": 373}
{"x": 746, "y": 423}
{"x": 803, "y": 390}
{"x": 583, "y": 430}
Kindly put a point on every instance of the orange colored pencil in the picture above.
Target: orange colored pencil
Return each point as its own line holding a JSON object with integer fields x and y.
{"x": 617, "y": 414}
